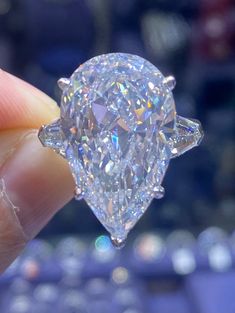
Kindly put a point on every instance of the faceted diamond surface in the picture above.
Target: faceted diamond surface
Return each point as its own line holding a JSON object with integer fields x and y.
{"x": 118, "y": 130}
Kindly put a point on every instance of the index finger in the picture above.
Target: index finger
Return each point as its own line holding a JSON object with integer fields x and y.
{"x": 22, "y": 105}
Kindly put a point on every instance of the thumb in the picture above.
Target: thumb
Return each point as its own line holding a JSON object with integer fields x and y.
{"x": 34, "y": 181}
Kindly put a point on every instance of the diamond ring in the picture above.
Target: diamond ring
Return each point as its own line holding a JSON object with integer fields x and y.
{"x": 118, "y": 131}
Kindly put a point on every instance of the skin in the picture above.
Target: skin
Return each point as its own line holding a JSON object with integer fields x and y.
{"x": 34, "y": 181}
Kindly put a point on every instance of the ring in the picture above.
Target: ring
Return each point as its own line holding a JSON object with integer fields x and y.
{"x": 118, "y": 130}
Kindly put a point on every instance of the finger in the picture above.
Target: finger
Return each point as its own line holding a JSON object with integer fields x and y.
{"x": 34, "y": 181}
{"x": 34, "y": 184}
{"x": 22, "y": 105}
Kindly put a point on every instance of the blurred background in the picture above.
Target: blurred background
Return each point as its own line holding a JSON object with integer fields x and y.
{"x": 180, "y": 257}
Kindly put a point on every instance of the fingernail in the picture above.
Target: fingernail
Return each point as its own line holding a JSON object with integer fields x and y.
{"x": 37, "y": 182}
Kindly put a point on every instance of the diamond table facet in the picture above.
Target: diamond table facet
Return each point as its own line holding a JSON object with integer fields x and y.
{"x": 118, "y": 130}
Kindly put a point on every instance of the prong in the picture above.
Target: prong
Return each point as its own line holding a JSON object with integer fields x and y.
{"x": 159, "y": 192}
{"x": 41, "y": 139}
{"x": 63, "y": 83}
{"x": 78, "y": 194}
{"x": 118, "y": 243}
{"x": 170, "y": 82}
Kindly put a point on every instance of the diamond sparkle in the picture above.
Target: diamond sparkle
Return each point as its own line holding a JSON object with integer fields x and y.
{"x": 118, "y": 130}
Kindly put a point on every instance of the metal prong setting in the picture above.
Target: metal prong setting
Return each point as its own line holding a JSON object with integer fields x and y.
{"x": 170, "y": 82}
{"x": 118, "y": 243}
{"x": 41, "y": 129}
{"x": 78, "y": 194}
{"x": 159, "y": 192}
{"x": 63, "y": 83}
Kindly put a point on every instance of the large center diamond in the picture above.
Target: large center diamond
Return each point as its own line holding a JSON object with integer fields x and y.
{"x": 118, "y": 130}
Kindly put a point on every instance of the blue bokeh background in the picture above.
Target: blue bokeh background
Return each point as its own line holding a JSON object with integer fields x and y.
{"x": 43, "y": 40}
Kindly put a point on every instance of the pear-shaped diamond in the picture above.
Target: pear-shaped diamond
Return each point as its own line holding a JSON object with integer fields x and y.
{"x": 118, "y": 130}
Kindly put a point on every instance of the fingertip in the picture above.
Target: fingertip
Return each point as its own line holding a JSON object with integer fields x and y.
{"x": 22, "y": 105}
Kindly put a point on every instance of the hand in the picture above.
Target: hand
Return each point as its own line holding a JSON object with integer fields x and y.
{"x": 34, "y": 181}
